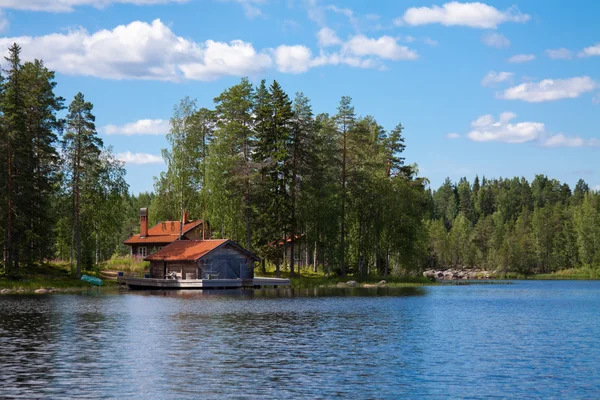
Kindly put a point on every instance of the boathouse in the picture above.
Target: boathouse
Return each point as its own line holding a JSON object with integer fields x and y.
{"x": 160, "y": 235}
{"x": 203, "y": 259}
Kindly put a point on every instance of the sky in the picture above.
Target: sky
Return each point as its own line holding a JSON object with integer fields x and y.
{"x": 495, "y": 89}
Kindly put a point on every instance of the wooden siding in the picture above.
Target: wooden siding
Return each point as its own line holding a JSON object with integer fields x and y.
{"x": 196, "y": 233}
{"x": 226, "y": 262}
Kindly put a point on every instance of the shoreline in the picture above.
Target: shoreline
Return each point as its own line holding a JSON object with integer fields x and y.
{"x": 48, "y": 286}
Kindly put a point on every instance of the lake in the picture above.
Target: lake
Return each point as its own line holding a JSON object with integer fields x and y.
{"x": 536, "y": 339}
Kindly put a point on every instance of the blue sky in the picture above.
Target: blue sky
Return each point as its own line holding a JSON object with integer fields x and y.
{"x": 500, "y": 88}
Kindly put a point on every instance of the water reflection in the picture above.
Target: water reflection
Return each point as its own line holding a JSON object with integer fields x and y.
{"x": 504, "y": 341}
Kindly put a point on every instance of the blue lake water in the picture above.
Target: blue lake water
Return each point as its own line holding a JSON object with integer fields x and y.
{"x": 530, "y": 339}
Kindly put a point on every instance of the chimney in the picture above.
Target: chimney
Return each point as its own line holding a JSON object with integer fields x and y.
{"x": 185, "y": 217}
{"x": 143, "y": 222}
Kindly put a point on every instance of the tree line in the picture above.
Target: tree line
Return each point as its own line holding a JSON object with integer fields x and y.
{"x": 512, "y": 225}
{"x": 261, "y": 167}
{"x": 61, "y": 190}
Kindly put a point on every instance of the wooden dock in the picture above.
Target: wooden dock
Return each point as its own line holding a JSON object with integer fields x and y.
{"x": 176, "y": 284}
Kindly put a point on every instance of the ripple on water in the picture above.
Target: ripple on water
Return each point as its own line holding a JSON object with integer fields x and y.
{"x": 530, "y": 339}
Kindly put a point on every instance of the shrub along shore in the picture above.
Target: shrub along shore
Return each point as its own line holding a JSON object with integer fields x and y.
{"x": 56, "y": 278}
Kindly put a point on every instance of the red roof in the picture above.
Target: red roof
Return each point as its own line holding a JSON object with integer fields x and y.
{"x": 186, "y": 250}
{"x": 192, "y": 250}
{"x": 163, "y": 232}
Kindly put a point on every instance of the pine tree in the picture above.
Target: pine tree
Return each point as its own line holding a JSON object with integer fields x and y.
{"x": 345, "y": 120}
{"x": 82, "y": 148}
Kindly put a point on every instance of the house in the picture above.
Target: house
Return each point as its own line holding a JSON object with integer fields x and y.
{"x": 303, "y": 257}
{"x": 203, "y": 259}
{"x": 164, "y": 233}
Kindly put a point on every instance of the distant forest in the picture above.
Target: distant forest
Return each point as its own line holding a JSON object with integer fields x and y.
{"x": 261, "y": 166}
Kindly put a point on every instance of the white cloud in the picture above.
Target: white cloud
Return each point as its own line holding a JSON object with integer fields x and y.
{"x": 550, "y": 90}
{"x": 453, "y": 136}
{"x": 596, "y": 99}
{"x": 139, "y": 127}
{"x": 293, "y": 59}
{"x": 141, "y": 50}
{"x": 521, "y": 58}
{"x": 236, "y": 58}
{"x": 152, "y": 51}
{"x": 495, "y": 40}
{"x": 559, "y": 54}
{"x": 561, "y": 140}
{"x": 139, "y": 158}
{"x": 250, "y": 7}
{"x": 385, "y": 47}
{"x": 68, "y": 5}
{"x": 493, "y": 78}
{"x": 596, "y": 188}
{"x": 327, "y": 37}
{"x": 487, "y": 129}
{"x": 346, "y": 12}
{"x": 591, "y": 51}
{"x": 430, "y": 42}
{"x": 474, "y": 15}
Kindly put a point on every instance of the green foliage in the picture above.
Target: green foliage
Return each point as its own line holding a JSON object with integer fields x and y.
{"x": 274, "y": 171}
{"x": 520, "y": 228}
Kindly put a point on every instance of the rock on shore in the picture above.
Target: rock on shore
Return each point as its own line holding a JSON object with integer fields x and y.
{"x": 451, "y": 274}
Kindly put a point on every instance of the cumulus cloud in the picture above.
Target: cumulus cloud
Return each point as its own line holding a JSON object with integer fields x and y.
{"x": 561, "y": 140}
{"x": 493, "y": 78}
{"x": 591, "y": 51}
{"x": 521, "y": 58}
{"x": 474, "y": 15}
{"x": 495, "y": 40}
{"x": 236, "y": 58}
{"x": 141, "y": 50}
{"x": 550, "y": 89}
{"x": 139, "y": 127}
{"x": 69, "y": 5}
{"x": 453, "y": 136}
{"x": 559, "y": 54}
{"x": 152, "y": 51}
{"x": 488, "y": 129}
{"x": 293, "y": 59}
{"x": 327, "y": 37}
{"x": 385, "y": 47}
{"x": 139, "y": 158}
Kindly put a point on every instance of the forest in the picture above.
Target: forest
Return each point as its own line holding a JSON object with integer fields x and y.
{"x": 261, "y": 166}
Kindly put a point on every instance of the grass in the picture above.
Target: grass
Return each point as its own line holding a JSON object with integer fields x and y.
{"x": 309, "y": 279}
{"x": 52, "y": 274}
{"x": 127, "y": 264}
{"x": 581, "y": 273}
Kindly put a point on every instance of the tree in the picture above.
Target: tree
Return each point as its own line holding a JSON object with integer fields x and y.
{"x": 81, "y": 148}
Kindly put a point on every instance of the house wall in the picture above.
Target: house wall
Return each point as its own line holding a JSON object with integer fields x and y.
{"x": 150, "y": 248}
{"x": 183, "y": 269}
{"x": 157, "y": 270}
{"x": 226, "y": 263}
{"x": 196, "y": 233}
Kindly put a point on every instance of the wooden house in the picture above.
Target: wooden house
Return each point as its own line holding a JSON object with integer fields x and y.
{"x": 203, "y": 259}
{"x": 166, "y": 232}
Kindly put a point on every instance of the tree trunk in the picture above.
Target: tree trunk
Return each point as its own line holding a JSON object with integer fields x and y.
{"x": 343, "y": 222}
{"x": 315, "y": 259}
{"x": 9, "y": 227}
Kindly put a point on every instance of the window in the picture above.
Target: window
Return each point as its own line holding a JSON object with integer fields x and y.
{"x": 142, "y": 251}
